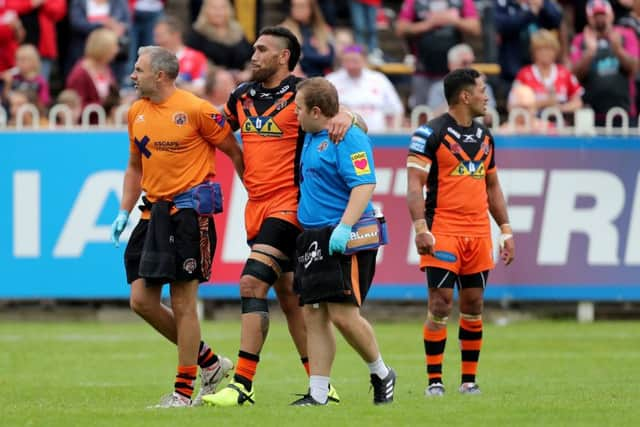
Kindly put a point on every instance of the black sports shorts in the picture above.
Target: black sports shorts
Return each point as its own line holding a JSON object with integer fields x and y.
{"x": 194, "y": 247}
{"x": 281, "y": 235}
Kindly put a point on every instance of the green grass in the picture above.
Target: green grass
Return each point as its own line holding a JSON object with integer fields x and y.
{"x": 534, "y": 373}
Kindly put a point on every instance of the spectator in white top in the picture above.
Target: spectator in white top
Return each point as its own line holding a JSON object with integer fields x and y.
{"x": 459, "y": 56}
{"x": 366, "y": 92}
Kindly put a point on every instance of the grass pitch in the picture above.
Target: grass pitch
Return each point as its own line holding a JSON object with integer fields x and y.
{"x": 531, "y": 374}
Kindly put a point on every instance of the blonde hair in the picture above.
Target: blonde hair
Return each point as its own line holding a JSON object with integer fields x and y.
{"x": 235, "y": 32}
{"x": 70, "y": 98}
{"x": 319, "y": 27}
{"x": 99, "y": 43}
{"x": 31, "y": 50}
{"x": 545, "y": 38}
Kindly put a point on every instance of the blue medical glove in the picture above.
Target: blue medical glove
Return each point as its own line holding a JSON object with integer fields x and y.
{"x": 339, "y": 238}
{"x": 118, "y": 225}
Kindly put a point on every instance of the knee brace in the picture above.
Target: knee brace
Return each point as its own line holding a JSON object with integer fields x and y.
{"x": 263, "y": 266}
{"x": 254, "y": 305}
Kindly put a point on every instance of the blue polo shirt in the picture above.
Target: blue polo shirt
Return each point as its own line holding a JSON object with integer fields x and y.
{"x": 328, "y": 172}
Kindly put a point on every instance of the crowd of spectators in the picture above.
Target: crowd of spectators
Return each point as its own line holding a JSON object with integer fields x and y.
{"x": 551, "y": 53}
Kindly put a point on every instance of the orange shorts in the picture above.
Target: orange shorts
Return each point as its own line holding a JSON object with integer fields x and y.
{"x": 283, "y": 205}
{"x": 460, "y": 255}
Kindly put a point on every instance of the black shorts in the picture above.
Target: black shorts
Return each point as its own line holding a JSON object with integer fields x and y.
{"x": 281, "y": 235}
{"x": 349, "y": 280}
{"x": 194, "y": 248}
{"x": 441, "y": 278}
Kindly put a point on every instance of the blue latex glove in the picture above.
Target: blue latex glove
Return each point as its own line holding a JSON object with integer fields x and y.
{"x": 339, "y": 238}
{"x": 118, "y": 225}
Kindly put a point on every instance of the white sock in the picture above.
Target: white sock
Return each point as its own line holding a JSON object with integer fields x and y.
{"x": 319, "y": 388}
{"x": 378, "y": 368}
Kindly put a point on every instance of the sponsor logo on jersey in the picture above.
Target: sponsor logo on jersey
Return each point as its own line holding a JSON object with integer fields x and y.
{"x": 418, "y": 143}
{"x": 140, "y": 118}
{"x": 261, "y": 125}
{"x": 469, "y": 139}
{"x": 360, "y": 163}
{"x": 312, "y": 254}
{"x": 424, "y": 130}
{"x": 282, "y": 90}
{"x": 172, "y": 146}
{"x": 180, "y": 118}
{"x": 453, "y": 132}
{"x": 445, "y": 256}
{"x": 280, "y": 104}
{"x": 323, "y": 146}
{"x": 142, "y": 145}
{"x": 469, "y": 168}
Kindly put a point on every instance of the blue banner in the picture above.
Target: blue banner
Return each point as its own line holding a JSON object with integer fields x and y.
{"x": 574, "y": 205}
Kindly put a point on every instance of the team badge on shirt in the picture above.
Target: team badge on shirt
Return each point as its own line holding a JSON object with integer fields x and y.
{"x": 360, "y": 163}
{"x": 322, "y": 146}
{"x": 180, "y": 118}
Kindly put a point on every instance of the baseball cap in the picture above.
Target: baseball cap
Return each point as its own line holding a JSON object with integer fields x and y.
{"x": 598, "y": 6}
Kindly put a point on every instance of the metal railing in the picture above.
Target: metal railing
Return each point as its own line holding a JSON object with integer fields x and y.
{"x": 60, "y": 116}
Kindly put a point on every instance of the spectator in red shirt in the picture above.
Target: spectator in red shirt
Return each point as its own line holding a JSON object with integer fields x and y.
{"x": 193, "y": 64}
{"x": 433, "y": 27}
{"x": 552, "y": 83}
{"x": 40, "y": 18}
{"x": 92, "y": 77}
{"x": 86, "y": 16}
{"x": 11, "y": 33}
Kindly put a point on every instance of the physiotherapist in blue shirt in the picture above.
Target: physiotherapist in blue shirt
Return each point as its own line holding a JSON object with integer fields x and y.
{"x": 336, "y": 185}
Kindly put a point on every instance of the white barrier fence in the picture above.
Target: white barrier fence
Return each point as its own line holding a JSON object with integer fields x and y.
{"x": 61, "y": 117}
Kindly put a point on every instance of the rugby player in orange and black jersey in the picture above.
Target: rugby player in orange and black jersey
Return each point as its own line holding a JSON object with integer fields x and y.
{"x": 264, "y": 112}
{"x": 458, "y": 160}
{"x": 271, "y": 135}
{"x": 453, "y": 156}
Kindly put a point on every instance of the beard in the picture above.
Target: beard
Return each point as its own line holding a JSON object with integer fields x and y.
{"x": 262, "y": 74}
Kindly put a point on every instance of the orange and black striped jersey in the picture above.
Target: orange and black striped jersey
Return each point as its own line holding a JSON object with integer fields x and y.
{"x": 271, "y": 136}
{"x": 176, "y": 140}
{"x": 458, "y": 160}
